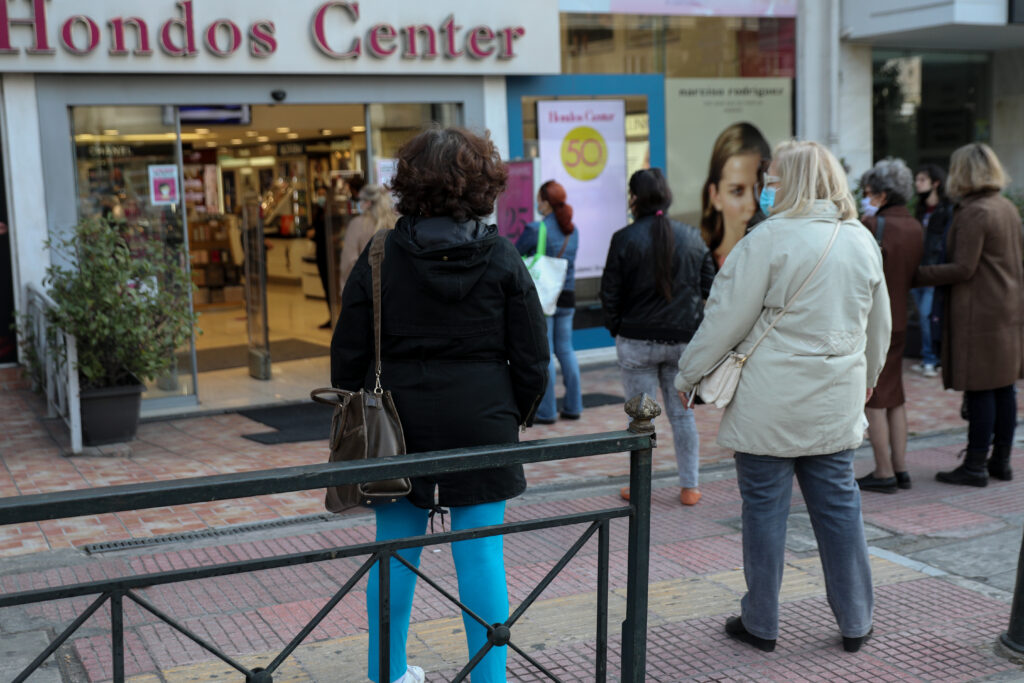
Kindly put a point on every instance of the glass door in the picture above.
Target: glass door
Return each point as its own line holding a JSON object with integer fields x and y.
{"x": 256, "y": 288}
{"x": 128, "y": 169}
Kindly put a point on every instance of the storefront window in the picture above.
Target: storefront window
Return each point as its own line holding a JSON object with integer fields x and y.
{"x": 392, "y": 125}
{"x": 926, "y": 104}
{"x": 128, "y": 172}
{"x": 679, "y": 46}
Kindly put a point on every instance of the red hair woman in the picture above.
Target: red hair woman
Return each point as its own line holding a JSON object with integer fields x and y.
{"x": 562, "y": 240}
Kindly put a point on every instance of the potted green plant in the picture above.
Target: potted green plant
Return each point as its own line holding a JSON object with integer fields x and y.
{"x": 123, "y": 295}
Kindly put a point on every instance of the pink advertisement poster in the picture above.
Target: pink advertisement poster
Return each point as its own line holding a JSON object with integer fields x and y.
{"x": 708, "y": 8}
{"x": 163, "y": 184}
{"x": 515, "y": 205}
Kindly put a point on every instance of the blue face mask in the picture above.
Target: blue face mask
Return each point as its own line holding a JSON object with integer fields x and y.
{"x": 767, "y": 200}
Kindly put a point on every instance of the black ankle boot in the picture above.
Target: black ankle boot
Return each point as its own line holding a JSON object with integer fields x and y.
{"x": 971, "y": 473}
{"x": 999, "y": 463}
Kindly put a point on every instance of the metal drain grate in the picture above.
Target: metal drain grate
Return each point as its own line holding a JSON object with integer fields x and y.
{"x": 111, "y": 546}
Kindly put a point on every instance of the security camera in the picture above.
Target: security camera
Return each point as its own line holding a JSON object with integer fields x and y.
{"x": 278, "y": 95}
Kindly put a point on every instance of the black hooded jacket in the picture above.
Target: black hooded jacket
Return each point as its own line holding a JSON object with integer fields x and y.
{"x": 464, "y": 347}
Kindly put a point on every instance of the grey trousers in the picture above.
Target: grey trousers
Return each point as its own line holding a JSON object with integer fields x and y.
{"x": 645, "y": 366}
{"x": 833, "y": 503}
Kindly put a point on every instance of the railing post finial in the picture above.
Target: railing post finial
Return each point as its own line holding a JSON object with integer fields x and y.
{"x": 642, "y": 409}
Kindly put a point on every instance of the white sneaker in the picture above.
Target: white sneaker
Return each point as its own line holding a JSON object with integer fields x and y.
{"x": 929, "y": 371}
{"x": 413, "y": 674}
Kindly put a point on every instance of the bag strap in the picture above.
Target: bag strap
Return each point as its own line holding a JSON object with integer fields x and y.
{"x": 376, "y": 261}
{"x": 817, "y": 267}
{"x": 565, "y": 243}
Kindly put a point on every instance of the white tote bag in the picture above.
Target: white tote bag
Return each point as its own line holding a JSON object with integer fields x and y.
{"x": 548, "y": 272}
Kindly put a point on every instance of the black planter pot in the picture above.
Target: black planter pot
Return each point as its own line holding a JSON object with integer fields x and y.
{"x": 110, "y": 414}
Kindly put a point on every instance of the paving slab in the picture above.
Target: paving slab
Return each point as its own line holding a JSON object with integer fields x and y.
{"x": 982, "y": 558}
{"x": 17, "y": 650}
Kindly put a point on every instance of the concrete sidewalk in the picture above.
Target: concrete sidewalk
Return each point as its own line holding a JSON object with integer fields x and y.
{"x": 944, "y": 561}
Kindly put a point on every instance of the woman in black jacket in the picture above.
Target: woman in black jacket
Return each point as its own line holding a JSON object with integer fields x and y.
{"x": 465, "y": 355}
{"x": 655, "y": 281}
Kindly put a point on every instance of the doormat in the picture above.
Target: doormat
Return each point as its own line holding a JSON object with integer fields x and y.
{"x": 296, "y": 422}
{"x": 227, "y": 357}
{"x": 596, "y": 400}
{"x": 312, "y": 421}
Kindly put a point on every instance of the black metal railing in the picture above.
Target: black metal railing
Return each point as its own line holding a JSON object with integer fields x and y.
{"x": 639, "y": 439}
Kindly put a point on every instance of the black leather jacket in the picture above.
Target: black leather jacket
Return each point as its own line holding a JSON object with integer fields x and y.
{"x": 632, "y": 305}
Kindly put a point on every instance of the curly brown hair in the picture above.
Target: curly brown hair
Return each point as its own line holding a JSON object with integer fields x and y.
{"x": 449, "y": 172}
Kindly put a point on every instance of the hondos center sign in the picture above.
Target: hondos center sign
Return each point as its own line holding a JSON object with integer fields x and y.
{"x": 270, "y": 36}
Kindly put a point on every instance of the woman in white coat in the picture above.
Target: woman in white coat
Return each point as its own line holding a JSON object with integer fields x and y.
{"x": 799, "y": 406}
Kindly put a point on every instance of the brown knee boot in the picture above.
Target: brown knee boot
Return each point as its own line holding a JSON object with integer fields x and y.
{"x": 999, "y": 463}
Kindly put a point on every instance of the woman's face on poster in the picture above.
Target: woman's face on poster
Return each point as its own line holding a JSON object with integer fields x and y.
{"x": 733, "y": 196}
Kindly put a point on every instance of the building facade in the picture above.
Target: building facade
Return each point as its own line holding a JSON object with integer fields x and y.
{"x": 170, "y": 116}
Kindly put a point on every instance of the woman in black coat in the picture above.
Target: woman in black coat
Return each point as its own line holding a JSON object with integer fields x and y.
{"x": 465, "y": 354}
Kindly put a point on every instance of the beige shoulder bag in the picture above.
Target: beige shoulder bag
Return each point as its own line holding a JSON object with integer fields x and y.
{"x": 718, "y": 385}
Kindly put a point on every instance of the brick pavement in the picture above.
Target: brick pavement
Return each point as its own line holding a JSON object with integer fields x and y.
{"x": 928, "y": 626}
{"x": 31, "y": 461}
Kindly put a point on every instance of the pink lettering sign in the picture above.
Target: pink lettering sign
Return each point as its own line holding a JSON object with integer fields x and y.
{"x": 515, "y": 205}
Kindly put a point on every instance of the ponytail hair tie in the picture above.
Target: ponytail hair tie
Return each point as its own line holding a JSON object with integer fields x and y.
{"x": 659, "y": 212}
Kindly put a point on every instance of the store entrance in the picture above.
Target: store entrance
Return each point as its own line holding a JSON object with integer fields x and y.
{"x": 290, "y": 160}
{"x": 303, "y": 167}
{"x": 257, "y": 200}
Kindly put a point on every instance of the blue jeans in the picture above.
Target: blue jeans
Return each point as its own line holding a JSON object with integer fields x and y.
{"x": 480, "y": 566}
{"x": 833, "y": 503}
{"x": 560, "y": 343}
{"x": 923, "y": 299}
{"x": 645, "y": 365}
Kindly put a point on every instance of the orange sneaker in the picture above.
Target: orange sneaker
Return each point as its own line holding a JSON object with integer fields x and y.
{"x": 689, "y": 496}
{"x": 624, "y": 493}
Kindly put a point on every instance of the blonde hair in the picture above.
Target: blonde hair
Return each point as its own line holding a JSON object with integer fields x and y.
{"x": 382, "y": 209}
{"x": 975, "y": 168}
{"x": 808, "y": 172}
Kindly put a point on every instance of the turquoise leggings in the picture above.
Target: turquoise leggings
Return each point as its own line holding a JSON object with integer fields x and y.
{"x": 480, "y": 566}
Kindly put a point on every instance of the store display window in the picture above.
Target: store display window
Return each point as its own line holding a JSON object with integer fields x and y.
{"x": 128, "y": 171}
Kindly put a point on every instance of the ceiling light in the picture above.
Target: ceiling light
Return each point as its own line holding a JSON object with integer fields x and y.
{"x": 325, "y": 131}
{"x": 211, "y": 143}
{"x": 251, "y": 133}
{"x": 358, "y": 129}
{"x": 111, "y": 131}
{"x": 262, "y": 138}
{"x": 292, "y": 136}
{"x": 202, "y": 131}
{"x": 284, "y": 129}
{"x": 236, "y": 141}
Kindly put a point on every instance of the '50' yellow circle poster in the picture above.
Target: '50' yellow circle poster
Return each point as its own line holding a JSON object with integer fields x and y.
{"x": 584, "y": 153}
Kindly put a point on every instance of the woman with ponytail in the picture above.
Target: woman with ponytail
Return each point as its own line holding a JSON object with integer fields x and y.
{"x": 655, "y": 281}
{"x": 562, "y": 241}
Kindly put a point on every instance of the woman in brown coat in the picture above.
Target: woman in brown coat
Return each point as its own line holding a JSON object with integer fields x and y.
{"x": 983, "y": 331}
{"x": 888, "y": 186}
